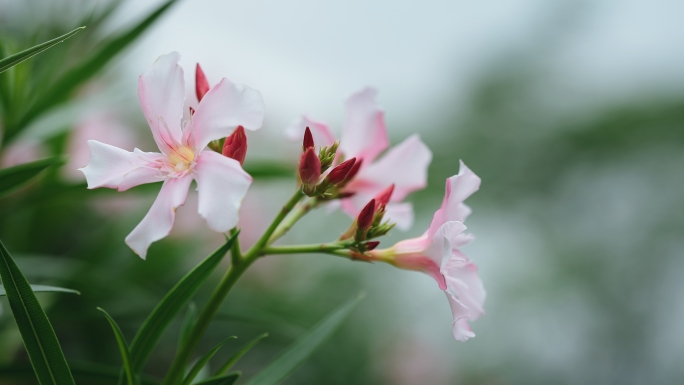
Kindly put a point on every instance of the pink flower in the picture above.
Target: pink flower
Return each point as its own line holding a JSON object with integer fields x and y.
{"x": 221, "y": 181}
{"x": 364, "y": 136}
{"x": 436, "y": 254}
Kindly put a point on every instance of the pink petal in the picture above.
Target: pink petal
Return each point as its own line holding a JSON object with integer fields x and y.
{"x": 159, "y": 220}
{"x": 222, "y": 184}
{"x": 401, "y": 214}
{"x": 364, "y": 134}
{"x": 161, "y": 91}
{"x": 460, "y": 328}
{"x": 116, "y": 168}
{"x": 404, "y": 165}
{"x": 464, "y": 283}
{"x": 225, "y": 107}
{"x": 458, "y": 188}
{"x": 319, "y": 130}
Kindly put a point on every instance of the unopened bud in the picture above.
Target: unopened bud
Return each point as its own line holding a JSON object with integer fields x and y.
{"x": 308, "y": 140}
{"x": 384, "y": 196}
{"x": 201, "y": 83}
{"x": 340, "y": 172}
{"x": 235, "y": 145}
{"x": 309, "y": 167}
{"x": 365, "y": 218}
{"x": 372, "y": 245}
{"x": 354, "y": 170}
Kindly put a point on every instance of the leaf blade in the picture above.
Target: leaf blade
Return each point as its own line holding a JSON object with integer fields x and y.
{"x": 14, "y": 177}
{"x": 227, "y": 379}
{"x": 46, "y": 289}
{"x": 123, "y": 347}
{"x": 28, "y": 53}
{"x": 298, "y": 352}
{"x": 39, "y": 338}
{"x": 203, "y": 361}
{"x": 243, "y": 350}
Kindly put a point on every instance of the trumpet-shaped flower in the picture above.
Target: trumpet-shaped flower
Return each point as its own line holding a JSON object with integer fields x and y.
{"x": 436, "y": 254}
{"x": 184, "y": 157}
{"x": 364, "y": 136}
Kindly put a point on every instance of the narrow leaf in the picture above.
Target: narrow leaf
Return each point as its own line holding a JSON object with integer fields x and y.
{"x": 123, "y": 347}
{"x": 203, "y": 361}
{"x": 298, "y": 352}
{"x": 188, "y": 323}
{"x": 13, "y": 177}
{"x": 227, "y": 379}
{"x": 39, "y": 338}
{"x": 17, "y": 58}
{"x": 172, "y": 303}
{"x": 84, "y": 373}
{"x": 243, "y": 350}
{"x": 43, "y": 289}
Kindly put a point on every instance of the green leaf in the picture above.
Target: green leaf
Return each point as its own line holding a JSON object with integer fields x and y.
{"x": 243, "y": 350}
{"x": 13, "y": 177}
{"x": 202, "y": 362}
{"x": 123, "y": 347}
{"x": 59, "y": 92}
{"x": 17, "y": 58}
{"x": 42, "y": 289}
{"x": 39, "y": 338}
{"x": 172, "y": 303}
{"x": 298, "y": 352}
{"x": 227, "y": 379}
{"x": 188, "y": 323}
{"x": 85, "y": 372}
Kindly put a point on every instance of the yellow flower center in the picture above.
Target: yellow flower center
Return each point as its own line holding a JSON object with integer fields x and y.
{"x": 181, "y": 158}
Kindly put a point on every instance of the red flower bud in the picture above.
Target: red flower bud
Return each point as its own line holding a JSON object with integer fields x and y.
{"x": 308, "y": 140}
{"x": 192, "y": 111}
{"x": 340, "y": 172}
{"x": 372, "y": 245}
{"x": 354, "y": 170}
{"x": 384, "y": 196}
{"x": 201, "y": 83}
{"x": 309, "y": 167}
{"x": 365, "y": 218}
{"x": 235, "y": 145}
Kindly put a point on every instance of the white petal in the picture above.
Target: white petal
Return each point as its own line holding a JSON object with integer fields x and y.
{"x": 113, "y": 167}
{"x": 159, "y": 220}
{"x": 161, "y": 91}
{"x": 460, "y": 328}
{"x": 364, "y": 134}
{"x": 225, "y": 107}
{"x": 222, "y": 184}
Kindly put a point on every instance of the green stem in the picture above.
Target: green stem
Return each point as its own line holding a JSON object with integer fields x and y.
{"x": 329, "y": 248}
{"x": 291, "y": 219}
{"x": 235, "y": 253}
{"x": 219, "y": 295}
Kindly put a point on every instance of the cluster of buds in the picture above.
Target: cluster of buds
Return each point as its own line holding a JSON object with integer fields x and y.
{"x": 313, "y": 166}
{"x": 369, "y": 225}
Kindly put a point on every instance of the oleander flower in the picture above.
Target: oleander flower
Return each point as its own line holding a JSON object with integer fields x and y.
{"x": 364, "y": 136}
{"x": 436, "y": 253}
{"x": 184, "y": 157}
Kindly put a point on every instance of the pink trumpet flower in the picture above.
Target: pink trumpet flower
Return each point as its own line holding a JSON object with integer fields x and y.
{"x": 184, "y": 157}
{"x": 364, "y": 136}
{"x": 436, "y": 254}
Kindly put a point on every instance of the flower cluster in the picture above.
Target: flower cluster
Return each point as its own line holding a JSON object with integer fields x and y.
{"x": 357, "y": 173}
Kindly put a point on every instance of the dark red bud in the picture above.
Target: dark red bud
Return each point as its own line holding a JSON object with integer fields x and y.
{"x": 235, "y": 145}
{"x": 201, "y": 83}
{"x": 308, "y": 140}
{"x": 192, "y": 111}
{"x": 372, "y": 245}
{"x": 384, "y": 196}
{"x": 365, "y": 218}
{"x": 309, "y": 167}
{"x": 346, "y": 194}
{"x": 354, "y": 170}
{"x": 340, "y": 172}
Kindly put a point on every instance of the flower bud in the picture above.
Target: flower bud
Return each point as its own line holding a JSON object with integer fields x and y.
{"x": 354, "y": 170}
{"x": 384, "y": 196}
{"x": 308, "y": 140}
{"x": 340, "y": 172}
{"x": 372, "y": 245}
{"x": 201, "y": 83}
{"x": 365, "y": 218}
{"x": 192, "y": 111}
{"x": 309, "y": 167}
{"x": 235, "y": 145}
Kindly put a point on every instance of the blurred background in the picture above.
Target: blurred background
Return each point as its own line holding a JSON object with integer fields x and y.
{"x": 572, "y": 113}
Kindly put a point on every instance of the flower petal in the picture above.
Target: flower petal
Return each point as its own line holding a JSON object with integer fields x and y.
{"x": 364, "y": 134}
{"x": 222, "y": 184}
{"x": 458, "y": 188}
{"x": 405, "y": 165}
{"x": 321, "y": 133}
{"x": 225, "y": 107}
{"x": 159, "y": 220}
{"x": 460, "y": 328}
{"x": 113, "y": 167}
{"x": 464, "y": 283}
{"x": 161, "y": 91}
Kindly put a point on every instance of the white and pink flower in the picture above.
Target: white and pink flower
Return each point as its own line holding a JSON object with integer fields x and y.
{"x": 436, "y": 253}
{"x": 184, "y": 157}
{"x": 364, "y": 136}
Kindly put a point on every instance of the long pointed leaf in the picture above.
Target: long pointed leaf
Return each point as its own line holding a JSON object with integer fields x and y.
{"x": 172, "y": 303}
{"x": 13, "y": 177}
{"x": 84, "y": 372}
{"x": 203, "y": 361}
{"x": 227, "y": 379}
{"x": 188, "y": 323}
{"x": 44, "y": 289}
{"x": 296, "y": 354}
{"x": 39, "y": 338}
{"x": 17, "y": 58}
{"x": 243, "y": 350}
{"x": 123, "y": 347}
